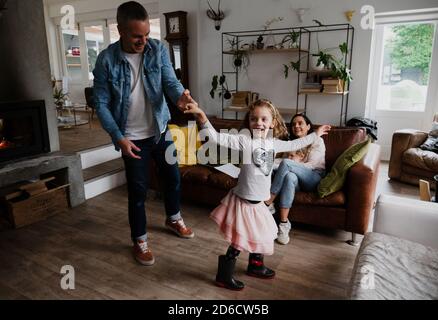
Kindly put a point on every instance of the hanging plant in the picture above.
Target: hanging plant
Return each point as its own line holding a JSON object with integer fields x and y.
{"x": 219, "y": 83}
{"x": 240, "y": 56}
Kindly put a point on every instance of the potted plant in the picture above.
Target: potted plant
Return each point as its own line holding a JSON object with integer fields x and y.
{"x": 292, "y": 38}
{"x": 60, "y": 97}
{"x": 240, "y": 56}
{"x": 335, "y": 66}
{"x": 220, "y": 81}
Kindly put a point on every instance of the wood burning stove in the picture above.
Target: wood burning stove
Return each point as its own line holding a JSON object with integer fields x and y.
{"x": 23, "y": 130}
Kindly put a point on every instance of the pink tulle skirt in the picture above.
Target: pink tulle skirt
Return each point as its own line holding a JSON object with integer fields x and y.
{"x": 246, "y": 226}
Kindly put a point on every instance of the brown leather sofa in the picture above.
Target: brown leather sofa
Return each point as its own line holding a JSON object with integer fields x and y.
{"x": 408, "y": 163}
{"x": 348, "y": 209}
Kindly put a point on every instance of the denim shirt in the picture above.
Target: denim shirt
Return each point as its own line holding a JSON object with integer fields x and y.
{"x": 112, "y": 87}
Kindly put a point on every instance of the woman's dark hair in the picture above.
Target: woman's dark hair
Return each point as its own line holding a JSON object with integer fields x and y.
{"x": 306, "y": 119}
{"x": 131, "y": 10}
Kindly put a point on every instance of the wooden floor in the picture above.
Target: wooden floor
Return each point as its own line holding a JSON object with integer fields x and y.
{"x": 83, "y": 137}
{"x": 94, "y": 239}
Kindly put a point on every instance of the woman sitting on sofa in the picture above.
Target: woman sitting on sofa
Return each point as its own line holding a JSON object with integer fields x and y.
{"x": 301, "y": 170}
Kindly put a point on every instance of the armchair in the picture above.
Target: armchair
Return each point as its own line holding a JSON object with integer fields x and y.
{"x": 408, "y": 163}
{"x": 399, "y": 259}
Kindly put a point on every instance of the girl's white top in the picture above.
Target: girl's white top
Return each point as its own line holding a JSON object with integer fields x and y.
{"x": 254, "y": 182}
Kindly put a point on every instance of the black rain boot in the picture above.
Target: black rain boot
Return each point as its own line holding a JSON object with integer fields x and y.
{"x": 256, "y": 267}
{"x": 224, "y": 277}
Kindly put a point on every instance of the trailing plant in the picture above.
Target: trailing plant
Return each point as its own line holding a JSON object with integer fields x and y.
{"x": 219, "y": 83}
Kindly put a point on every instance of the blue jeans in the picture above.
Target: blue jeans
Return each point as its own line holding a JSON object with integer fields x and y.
{"x": 137, "y": 176}
{"x": 291, "y": 177}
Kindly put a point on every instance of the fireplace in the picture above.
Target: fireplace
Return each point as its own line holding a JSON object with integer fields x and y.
{"x": 23, "y": 129}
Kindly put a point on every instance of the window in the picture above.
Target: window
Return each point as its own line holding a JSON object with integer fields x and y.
{"x": 155, "y": 30}
{"x": 95, "y": 44}
{"x": 72, "y": 54}
{"x": 405, "y": 71}
{"x": 81, "y": 47}
{"x": 114, "y": 33}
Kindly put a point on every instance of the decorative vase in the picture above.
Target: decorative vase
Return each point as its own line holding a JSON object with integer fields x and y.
{"x": 270, "y": 41}
{"x": 314, "y": 64}
{"x": 260, "y": 44}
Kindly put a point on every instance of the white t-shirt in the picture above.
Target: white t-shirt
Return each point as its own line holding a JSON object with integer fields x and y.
{"x": 140, "y": 123}
{"x": 254, "y": 181}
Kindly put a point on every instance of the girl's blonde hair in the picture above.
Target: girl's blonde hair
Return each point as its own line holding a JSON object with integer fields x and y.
{"x": 280, "y": 129}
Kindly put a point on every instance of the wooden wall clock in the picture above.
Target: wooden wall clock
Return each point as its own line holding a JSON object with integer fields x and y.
{"x": 176, "y": 35}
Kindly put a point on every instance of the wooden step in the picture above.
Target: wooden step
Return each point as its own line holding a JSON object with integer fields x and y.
{"x": 103, "y": 177}
{"x": 102, "y": 169}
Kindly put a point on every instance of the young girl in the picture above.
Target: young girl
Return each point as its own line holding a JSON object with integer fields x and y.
{"x": 242, "y": 216}
{"x": 302, "y": 170}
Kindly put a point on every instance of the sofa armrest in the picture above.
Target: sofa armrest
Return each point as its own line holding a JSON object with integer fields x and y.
{"x": 403, "y": 140}
{"x": 360, "y": 190}
{"x": 408, "y": 219}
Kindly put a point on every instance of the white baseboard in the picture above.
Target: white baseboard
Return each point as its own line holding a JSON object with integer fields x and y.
{"x": 103, "y": 184}
{"x": 96, "y": 156}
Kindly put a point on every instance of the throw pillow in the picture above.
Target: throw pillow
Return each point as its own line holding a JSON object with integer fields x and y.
{"x": 431, "y": 144}
{"x": 335, "y": 179}
{"x": 186, "y": 143}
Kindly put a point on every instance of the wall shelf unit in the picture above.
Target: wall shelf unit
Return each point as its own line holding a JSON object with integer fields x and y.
{"x": 299, "y": 51}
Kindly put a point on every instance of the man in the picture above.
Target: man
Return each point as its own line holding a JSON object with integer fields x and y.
{"x": 130, "y": 79}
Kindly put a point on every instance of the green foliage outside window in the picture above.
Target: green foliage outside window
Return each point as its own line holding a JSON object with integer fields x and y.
{"x": 412, "y": 48}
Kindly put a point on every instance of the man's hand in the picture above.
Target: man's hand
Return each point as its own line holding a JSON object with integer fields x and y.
{"x": 184, "y": 100}
{"x": 128, "y": 147}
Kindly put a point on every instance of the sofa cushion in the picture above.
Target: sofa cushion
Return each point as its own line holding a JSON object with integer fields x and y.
{"x": 340, "y": 139}
{"x": 310, "y": 198}
{"x": 431, "y": 144}
{"x": 186, "y": 143}
{"x": 335, "y": 179}
{"x": 387, "y": 267}
{"x": 422, "y": 159}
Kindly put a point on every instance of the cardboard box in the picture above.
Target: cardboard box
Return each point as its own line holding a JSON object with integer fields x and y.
{"x": 35, "y": 202}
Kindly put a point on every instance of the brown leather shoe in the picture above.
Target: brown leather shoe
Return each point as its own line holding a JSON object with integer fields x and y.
{"x": 143, "y": 254}
{"x": 180, "y": 228}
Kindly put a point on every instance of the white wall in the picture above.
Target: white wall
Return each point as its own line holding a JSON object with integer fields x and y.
{"x": 265, "y": 73}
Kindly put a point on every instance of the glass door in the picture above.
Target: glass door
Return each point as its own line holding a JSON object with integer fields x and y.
{"x": 96, "y": 40}
{"x": 403, "y": 85}
{"x": 72, "y": 55}
{"x": 80, "y": 48}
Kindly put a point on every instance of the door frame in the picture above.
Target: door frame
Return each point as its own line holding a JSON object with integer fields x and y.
{"x": 424, "y": 118}
{"x": 376, "y": 63}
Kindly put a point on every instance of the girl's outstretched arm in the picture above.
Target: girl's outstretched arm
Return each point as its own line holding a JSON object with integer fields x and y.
{"x": 233, "y": 141}
{"x": 297, "y": 144}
